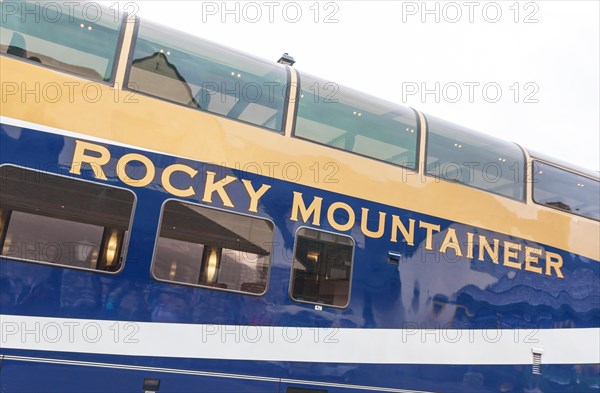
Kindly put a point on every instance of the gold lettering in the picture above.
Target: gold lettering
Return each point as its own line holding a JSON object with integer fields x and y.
{"x": 409, "y": 235}
{"x": 484, "y": 245}
{"x": 429, "y": 238}
{"x": 122, "y": 172}
{"x": 166, "y": 179}
{"x": 364, "y": 220}
{"x": 470, "y": 245}
{"x": 96, "y": 163}
{"x": 313, "y": 209}
{"x": 511, "y": 254}
{"x": 219, "y": 187}
{"x": 451, "y": 241}
{"x": 331, "y": 216}
{"x": 554, "y": 261}
{"x": 531, "y": 260}
{"x": 254, "y": 194}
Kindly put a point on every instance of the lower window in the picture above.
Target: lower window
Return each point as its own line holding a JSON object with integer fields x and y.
{"x": 59, "y": 220}
{"x": 213, "y": 248}
{"x": 322, "y": 268}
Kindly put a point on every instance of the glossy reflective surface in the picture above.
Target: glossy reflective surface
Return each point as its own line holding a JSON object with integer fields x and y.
{"x": 340, "y": 117}
{"x": 461, "y": 155}
{"x": 82, "y": 41}
{"x": 425, "y": 289}
{"x": 567, "y": 191}
{"x": 197, "y": 73}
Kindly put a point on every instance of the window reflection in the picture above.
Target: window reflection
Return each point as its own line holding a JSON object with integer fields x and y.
{"x": 322, "y": 268}
{"x": 196, "y": 73}
{"x": 53, "y": 219}
{"x": 461, "y": 155}
{"x": 340, "y": 117}
{"x": 35, "y": 238}
{"x": 213, "y": 248}
{"x": 60, "y": 39}
{"x": 567, "y": 191}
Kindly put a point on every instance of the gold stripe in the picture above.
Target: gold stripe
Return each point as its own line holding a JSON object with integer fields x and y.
{"x": 125, "y": 50}
{"x": 422, "y": 142}
{"x": 176, "y": 130}
{"x": 528, "y": 177}
{"x": 289, "y": 124}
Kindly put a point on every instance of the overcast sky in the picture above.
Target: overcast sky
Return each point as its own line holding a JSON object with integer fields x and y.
{"x": 542, "y": 58}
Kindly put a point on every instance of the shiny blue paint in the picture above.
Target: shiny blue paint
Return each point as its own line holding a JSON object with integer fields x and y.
{"x": 425, "y": 290}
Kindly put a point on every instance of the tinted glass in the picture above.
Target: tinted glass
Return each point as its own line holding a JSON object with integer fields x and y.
{"x": 202, "y": 246}
{"x": 194, "y": 72}
{"x": 343, "y": 118}
{"x": 53, "y": 219}
{"x": 461, "y": 155}
{"x": 566, "y": 190}
{"x": 79, "y": 37}
{"x": 322, "y": 268}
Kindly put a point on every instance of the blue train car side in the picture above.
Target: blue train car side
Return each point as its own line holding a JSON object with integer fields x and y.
{"x": 429, "y": 307}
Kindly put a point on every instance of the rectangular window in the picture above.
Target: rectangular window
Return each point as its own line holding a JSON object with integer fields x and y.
{"x": 45, "y": 34}
{"x": 213, "y": 248}
{"x": 59, "y": 220}
{"x": 567, "y": 191}
{"x": 322, "y": 268}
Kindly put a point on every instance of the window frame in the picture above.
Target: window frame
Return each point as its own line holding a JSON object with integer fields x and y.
{"x": 350, "y": 279}
{"x": 201, "y": 286}
{"x": 561, "y": 168}
{"x": 111, "y": 82}
{"x": 524, "y": 175}
{"x": 126, "y": 81}
{"x": 126, "y": 238}
{"x": 417, "y": 136}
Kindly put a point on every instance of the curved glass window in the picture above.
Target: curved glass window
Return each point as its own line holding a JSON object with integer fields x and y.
{"x": 81, "y": 39}
{"x": 461, "y": 155}
{"x": 566, "y": 190}
{"x": 346, "y": 119}
{"x": 191, "y": 71}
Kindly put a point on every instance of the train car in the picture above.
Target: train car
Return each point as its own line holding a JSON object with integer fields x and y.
{"x": 178, "y": 216}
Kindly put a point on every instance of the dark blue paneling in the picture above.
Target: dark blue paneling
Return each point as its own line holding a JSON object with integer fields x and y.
{"x": 426, "y": 289}
{"x": 434, "y": 378}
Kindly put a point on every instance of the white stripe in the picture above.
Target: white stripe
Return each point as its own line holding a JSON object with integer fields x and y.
{"x": 268, "y": 343}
